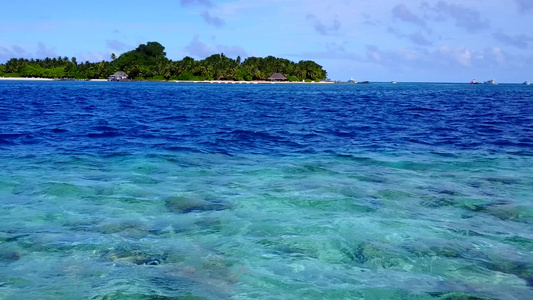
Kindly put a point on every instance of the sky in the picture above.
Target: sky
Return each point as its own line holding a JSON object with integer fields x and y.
{"x": 417, "y": 41}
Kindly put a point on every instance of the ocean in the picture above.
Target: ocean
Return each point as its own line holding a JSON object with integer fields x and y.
{"x": 135, "y": 190}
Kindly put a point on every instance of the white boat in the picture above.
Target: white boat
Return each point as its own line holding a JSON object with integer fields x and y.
{"x": 526, "y": 83}
{"x": 393, "y": 82}
{"x": 352, "y": 80}
{"x": 492, "y": 81}
{"x": 474, "y": 81}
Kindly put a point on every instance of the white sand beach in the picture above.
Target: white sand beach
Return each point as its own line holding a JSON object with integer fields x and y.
{"x": 182, "y": 81}
{"x": 26, "y": 79}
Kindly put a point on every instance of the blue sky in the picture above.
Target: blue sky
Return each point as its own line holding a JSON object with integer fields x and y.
{"x": 443, "y": 40}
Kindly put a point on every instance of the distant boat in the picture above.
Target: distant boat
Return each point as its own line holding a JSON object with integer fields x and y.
{"x": 526, "y": 83}
{"x": 393, "y": 82}
{"x": 492, "y": 81}
{"x": 474, "y": 81}
{"x": 365, "y": 82}
{"x": 352, "y": 80}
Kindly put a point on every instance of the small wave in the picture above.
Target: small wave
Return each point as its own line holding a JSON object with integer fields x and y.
{"x": 512, "y": 144}
{"x": 104, "y": 134}
{"x": 444, "y": 154}
{"x": 251, "y": 135}
{"x": 10, "y": 135}
{"x": 356, "y": 158}
{"x": 526, "y": 140}
{"x": 104, "y": 128}
{"x": 445, "y": 129}
{"x": 173, "y": 118}
{"x": 416, "y": 141}
{"x": 145, "y": 136}
{"x": 181, "y": 149}
{"x": 341, "y": 133}
{"x": 421, "y": 109}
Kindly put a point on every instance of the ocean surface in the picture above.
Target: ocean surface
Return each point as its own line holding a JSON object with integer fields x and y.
{"x": 241, "y": 191}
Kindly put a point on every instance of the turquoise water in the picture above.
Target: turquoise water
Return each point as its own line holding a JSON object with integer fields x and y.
{"x": 316, "y": 227}
{"x": 101, "y": 221}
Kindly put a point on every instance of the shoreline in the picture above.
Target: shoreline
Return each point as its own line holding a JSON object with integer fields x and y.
{"x": 45, "y": 79}
{"x": 222, "y": 81}
{"x": 250, "y": 82}
{"x": 27, "y": 78}
{"x": 177, "y": 81}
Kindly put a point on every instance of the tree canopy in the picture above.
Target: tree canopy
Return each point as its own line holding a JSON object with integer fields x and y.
{"x": 149, "y": 61}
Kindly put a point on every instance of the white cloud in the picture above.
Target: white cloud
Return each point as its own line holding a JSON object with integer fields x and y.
{"x": 199, "y": 49}
{"x": 232, "y": 51}
{"x": 520, "y": 40}
{"x": 5, "y": 54}
{"x": 196, "y": 2}
{"x": 525, "y": 5}
{"x": 14, "y": 51}
{"x": 321, "y": 27}
{"x": 373, "y": 53}
{"x": 460, "y": 55}
{"x": 402, "y": 12}
{"x": 496, "y": 54}
{"x": 212, "y": 20}
{"x": 116, "y": 45}
{"x": 444, "y": 56}
{"x": 465, "y": 17}
{"x": 333, "y": 51}
{"x": 43, "y": 51}
{"x": 93, "y": 57}
{"x": 417, "y": 37}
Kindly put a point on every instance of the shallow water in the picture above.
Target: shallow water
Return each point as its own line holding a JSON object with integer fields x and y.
{"x": 154, "y": 191}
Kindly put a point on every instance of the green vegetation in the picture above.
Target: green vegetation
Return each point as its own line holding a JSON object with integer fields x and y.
{"x": 149, "y": 61}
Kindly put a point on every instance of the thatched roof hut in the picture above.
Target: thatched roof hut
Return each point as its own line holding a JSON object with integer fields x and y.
{"x": 118, "y": 76}
{"x": 277, "y": 77}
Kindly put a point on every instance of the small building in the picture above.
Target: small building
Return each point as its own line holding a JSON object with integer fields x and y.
{"x": 118, "y": 76}
{"x": 277, "y": 77}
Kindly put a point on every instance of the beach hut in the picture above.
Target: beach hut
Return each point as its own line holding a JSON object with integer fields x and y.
{"x": 277, "y": 77}
{"x": 118, "y": 76}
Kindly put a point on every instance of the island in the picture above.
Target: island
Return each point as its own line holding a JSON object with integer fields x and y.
{"x": 149, "y": 62}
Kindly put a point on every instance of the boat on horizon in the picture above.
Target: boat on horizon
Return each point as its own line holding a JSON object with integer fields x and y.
{"x": 492, "y": 81}
{"x": 393, "y": 82}
{"x": 526, "y": 83}
{"x": 352, "y": 80}
{"x": 474, "y": 81}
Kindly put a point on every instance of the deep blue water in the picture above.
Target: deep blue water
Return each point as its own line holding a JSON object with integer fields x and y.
{"x": 266, "y": 119}
{"x": 252, "y": 191}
